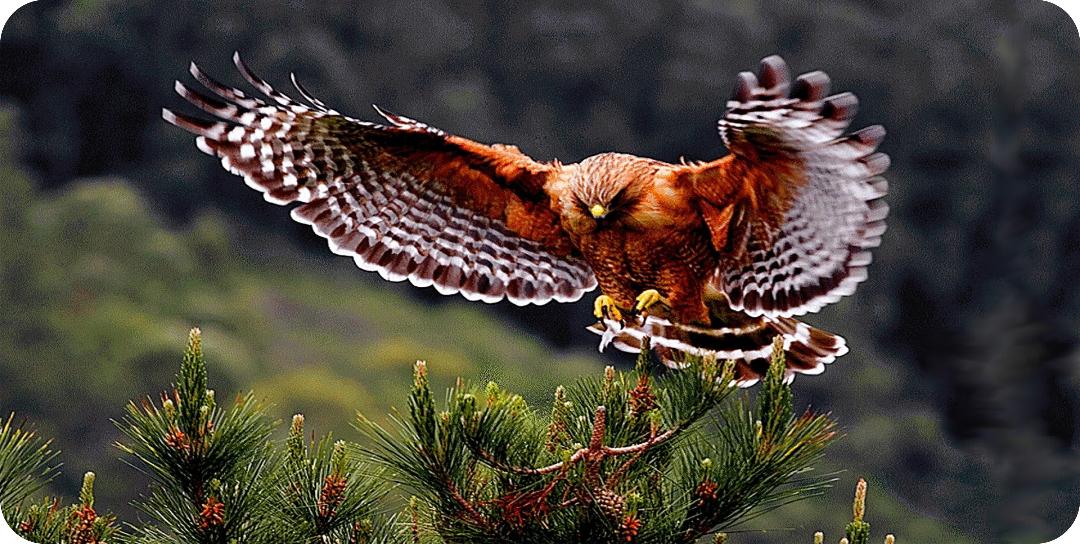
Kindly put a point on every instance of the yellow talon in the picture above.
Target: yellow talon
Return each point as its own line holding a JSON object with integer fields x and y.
{"x": 605, "y": 307}
{"x": 646, "y": 299}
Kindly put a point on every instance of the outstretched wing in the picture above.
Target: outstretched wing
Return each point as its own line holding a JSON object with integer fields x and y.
{"x": 406, "y": 200}
{"x": 796, "y": 207}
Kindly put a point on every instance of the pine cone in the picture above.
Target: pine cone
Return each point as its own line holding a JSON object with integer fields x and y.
{"x": 610, "y": 503}
{"x": 177, "y": 440}
{"x": 706, "y": 492}
{"x": 333, "y": 492}
{"x": 629, "y": 528}
{"x": 212, "y": 514}
{"x": 82, "y": 532}
{"x": 642, "y": 398}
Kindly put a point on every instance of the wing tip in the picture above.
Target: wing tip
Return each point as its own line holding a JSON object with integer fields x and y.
{"x": 745, "y": 82}
{"x": 181, "y": 89}
{"x": 384, "y": 114}
{"x": 841, "y": 106}
{"x": 811, "y": 86}
{"x": 774, "y": 74}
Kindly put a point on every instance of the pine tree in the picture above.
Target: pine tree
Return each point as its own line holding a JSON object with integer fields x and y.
{"x": 26, "y": 465}
{"x": 322, "y": 496}
{"x": 858, "y": 531}
{"x": 209, "y": 464}
{"x": 628, "y": 457}
{"x": 642, "y": 456}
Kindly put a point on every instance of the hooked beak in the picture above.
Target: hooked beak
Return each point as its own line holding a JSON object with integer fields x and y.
{"x": 598, "y": 211}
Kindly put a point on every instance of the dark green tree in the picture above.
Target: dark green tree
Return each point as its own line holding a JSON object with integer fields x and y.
{"x": 26, "y": 465}
{"x": 322, "y": 496}
{"x": 627, "y": 457}
{"x": 624, "y": 457}
{"x": 210, "y": 464}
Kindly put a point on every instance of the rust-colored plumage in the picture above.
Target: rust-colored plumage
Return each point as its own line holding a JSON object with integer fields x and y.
{"x": 713, "y": 258}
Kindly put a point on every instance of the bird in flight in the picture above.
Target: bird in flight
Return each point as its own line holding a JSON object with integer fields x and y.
{"x": 707, "y": 258}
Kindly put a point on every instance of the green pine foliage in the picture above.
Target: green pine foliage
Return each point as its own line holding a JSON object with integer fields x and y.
{"x": 321, "y": 495}
{"x": 49, "y": 522}
{"x": 643, "y": 456}
{"x": 858, "y": 531}
{"x": 627, "y": 457}
{"x": 209, "y": 463}
{"x": 26, "y": 464}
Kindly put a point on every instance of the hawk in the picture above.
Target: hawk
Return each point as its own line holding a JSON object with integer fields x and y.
{"x": 707, "y": 258}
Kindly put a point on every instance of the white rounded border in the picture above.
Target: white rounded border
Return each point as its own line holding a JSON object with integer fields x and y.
{"x": 1070, "y": 7}
{"x": 7, "y": 9}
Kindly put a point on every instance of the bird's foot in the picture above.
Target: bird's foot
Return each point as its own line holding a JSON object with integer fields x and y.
{"x": 605, "y": 308}
{"x": 646, "y": 300}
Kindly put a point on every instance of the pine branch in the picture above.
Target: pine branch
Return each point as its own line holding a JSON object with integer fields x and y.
{"x": 762, "y": 453}
{"x": 625, "y": 457}
{"x": 323, "y": 495}
{"x": 26, "y": 464}
{"x": 494, "y": 470}
{"x": 858, "y": 531}
{"x": 48, "y": 522}
{"x": 209, "y": 463}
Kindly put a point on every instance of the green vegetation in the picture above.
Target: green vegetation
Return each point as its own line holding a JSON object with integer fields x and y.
{"x": 622, "y": 458}
{"x": 25, "y": 467}
{"x": 24, "y": 464}
{"x": 629, "y": 457}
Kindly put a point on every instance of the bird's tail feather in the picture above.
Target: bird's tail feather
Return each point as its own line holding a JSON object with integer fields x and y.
{"x": 749, "y": 343}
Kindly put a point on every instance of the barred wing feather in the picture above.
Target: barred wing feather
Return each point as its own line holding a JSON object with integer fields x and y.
{"x": 405, "y": 200}
{"x": 808, "y": 196}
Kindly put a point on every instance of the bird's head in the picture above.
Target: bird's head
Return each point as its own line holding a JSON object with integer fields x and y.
{"x": 604, "y": 188}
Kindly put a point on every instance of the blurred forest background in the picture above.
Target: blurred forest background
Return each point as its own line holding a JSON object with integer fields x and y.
{"x": 959, "y": 399}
